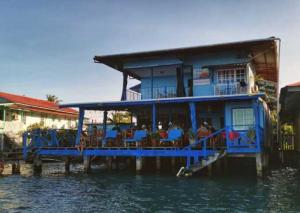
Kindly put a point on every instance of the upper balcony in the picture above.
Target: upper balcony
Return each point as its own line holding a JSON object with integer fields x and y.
{"x": 154, "y": 93}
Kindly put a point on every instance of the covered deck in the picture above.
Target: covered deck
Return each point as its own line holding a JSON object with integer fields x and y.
{"x": 186, "y": 112}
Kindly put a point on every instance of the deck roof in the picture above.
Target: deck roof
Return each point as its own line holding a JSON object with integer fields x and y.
{"x": 118, "y": 105}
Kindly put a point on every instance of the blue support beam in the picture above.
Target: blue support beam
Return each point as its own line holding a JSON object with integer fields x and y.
{"x": 153, "y": 118}
{"x": 255, "y": 104}
{"x": 193, "y": 116}
{"x": 80, "y": 125}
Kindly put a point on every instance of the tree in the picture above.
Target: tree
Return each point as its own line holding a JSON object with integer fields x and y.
{"x": 53, "y": 98}
{"x": 120, "y": 117}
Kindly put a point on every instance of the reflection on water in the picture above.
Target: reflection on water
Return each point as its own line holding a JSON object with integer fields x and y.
{"x": 102, "y": 191}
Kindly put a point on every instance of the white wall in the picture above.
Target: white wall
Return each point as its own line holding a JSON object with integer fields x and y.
{"x": 14, "y": 127}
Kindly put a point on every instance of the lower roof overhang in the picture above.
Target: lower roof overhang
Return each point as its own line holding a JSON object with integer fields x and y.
{"x": 127, "y": 105}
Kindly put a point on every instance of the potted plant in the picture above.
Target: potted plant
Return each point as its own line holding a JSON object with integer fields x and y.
{"x": 192, "y": 136}
{"x": 251, "y": 135}
{"x": 154, "y": 138}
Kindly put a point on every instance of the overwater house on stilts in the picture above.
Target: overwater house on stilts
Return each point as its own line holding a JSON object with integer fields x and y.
{"x": 209, "y": 94}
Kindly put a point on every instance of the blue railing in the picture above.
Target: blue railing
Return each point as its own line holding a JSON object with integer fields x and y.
{"x": 39, "y": 138}
{"x": 161, "y": 92}
{"x": 230, "y": 89}
{"x": 235, "y": 142}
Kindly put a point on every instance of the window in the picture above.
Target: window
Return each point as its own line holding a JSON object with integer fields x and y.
{"x": 1, "y": 114}
{"x": 229, "y": 76}
{"x": 242, "y": 118}
{"x": 23, "y": 117}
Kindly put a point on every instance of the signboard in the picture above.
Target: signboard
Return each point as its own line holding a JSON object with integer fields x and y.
{"x": 201, "y": 77}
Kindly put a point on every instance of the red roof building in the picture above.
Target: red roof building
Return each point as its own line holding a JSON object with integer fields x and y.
{"x": 36, "y": 105}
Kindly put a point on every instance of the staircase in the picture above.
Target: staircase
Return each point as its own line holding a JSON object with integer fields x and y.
{"x": 206, "y": 160}
{"x": 201, "y": 165}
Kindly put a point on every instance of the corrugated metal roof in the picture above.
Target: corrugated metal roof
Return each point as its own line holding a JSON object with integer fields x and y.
{"x": 37, "y": 104}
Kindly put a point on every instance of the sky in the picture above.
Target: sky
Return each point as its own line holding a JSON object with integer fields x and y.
{"x": 47, "y": 47}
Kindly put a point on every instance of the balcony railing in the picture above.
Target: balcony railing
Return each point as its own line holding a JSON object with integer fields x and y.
{"x": 133, "y": 96}
{"x": 230, "y": 89}
{"x": 161, "y": 92}
{"x": 158, "y": 92}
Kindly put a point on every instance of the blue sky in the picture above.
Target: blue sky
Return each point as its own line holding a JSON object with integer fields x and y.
{"x": 46, "y": 47}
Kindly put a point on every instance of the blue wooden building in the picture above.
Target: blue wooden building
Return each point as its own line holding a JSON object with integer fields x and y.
{"x": 195, "y": 87}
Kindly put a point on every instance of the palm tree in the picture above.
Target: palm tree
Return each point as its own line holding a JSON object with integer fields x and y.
{"x": 53, "y": 98}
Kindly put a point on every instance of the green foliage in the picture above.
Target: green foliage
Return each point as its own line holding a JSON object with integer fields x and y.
{"x": 53, "y": 98}
{"x": 37, "y": 126}
{"x": 251, "y": 133}
{"x": 287, "y": 129}
{"x": 120, "y": 117}
{"x": 154, "y": 136}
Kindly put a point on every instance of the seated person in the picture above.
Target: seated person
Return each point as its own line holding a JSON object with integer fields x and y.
{"x": 203, "y": 131}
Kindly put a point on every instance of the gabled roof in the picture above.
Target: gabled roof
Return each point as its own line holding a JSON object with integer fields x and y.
{"x": 38, "y": 105}
{"x": 264, "y": 55}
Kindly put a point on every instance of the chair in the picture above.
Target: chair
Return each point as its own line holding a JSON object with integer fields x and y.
{"x": 139, "y": 136}
{"x": 109, "y": 136}
{"x": 173, "y": 135}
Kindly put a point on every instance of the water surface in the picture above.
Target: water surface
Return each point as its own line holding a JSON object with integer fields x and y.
{"x": 105, "y": 191}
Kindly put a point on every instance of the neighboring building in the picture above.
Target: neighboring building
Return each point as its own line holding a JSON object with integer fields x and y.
{"x": 17, "y": 113}
{"x": 290, "y": 115}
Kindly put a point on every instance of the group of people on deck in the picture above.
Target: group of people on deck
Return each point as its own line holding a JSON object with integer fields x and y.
{"x": 94, "y": 138}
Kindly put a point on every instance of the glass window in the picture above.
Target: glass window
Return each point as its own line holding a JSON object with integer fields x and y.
{"x": 243, "y": 118}
{"x": 229, "y": 76}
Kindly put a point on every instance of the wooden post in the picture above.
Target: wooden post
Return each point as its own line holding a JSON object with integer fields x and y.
{"x": 87, "y": 164}
{"x": 15, "y": 168}
{"x": 114, "y": 163}
{"x": 37, "y": 165}
{"x": 67, "y": 164}
{"x": 158, "y": 166}
{"x": 173, "y": 162}
{"x": 109, "y": 162}
{"x": 139, "y": 164}
{"x": 259, "y": 166}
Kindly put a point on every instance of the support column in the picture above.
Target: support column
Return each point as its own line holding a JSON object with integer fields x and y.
{"x": 259, "y": 166}
{"x": 114, "y": 162}
{"x": 158, "y": 165}
{"x": 153, "y": 118}
{"x": 80, "y": 125}
{"x": 37, "y": 165}
{"x": 193, "y": 116}
{"x": 1, "y": 141}
{"x": 87, "y": 164}
{"x": 173, "y": 162}
{"x": 139, "y": 164}
{"x": 124, "y": 88}
{"x": 67, "y": 164}
{"x": 152, "y": 95}
{"x": 15, "y": 168}
{"x": 2, "y": 131}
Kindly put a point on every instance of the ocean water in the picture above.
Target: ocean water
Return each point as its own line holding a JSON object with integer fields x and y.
{"x": 104, "y": 191}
